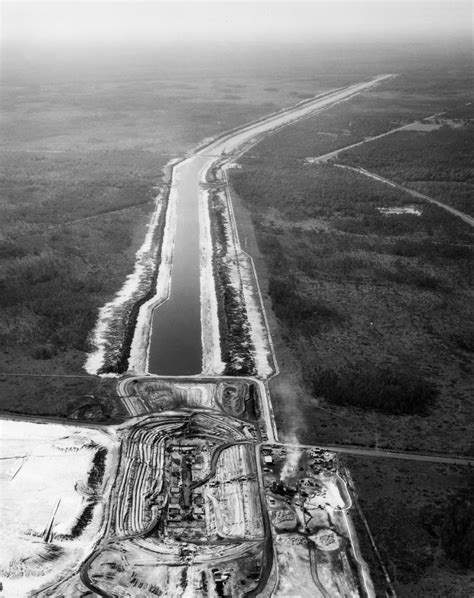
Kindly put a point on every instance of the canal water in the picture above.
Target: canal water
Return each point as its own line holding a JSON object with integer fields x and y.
{"x": 175, "y": 346}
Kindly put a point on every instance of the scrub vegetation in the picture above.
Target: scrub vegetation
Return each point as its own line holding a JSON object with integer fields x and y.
{"x": 357, "y": 291}
{"x": 235, "y": 339}
{"x": 420, "y": 515}
{"x": 370, "y": 288}
{"x": 82, "y": 152}
{"x": 56, "y": 267}
{"x": 437, "y": 163}
{"x": 369, "y": 293}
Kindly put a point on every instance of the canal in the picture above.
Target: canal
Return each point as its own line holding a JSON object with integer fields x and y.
{"x": 176, "y": 340}
{"x": 175, "y": 346}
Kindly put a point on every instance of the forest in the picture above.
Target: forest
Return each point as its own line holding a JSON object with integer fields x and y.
{"x": 457, "y": 528}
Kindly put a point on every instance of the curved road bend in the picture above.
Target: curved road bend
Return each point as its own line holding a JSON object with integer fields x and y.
{"x": 175, "y": 345}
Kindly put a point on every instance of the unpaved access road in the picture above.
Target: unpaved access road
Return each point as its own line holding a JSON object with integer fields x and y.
{"x": 349, "y": 449}
{"x": 467, "y": 219}
{"x": 235, "y": 140}
{"x": 333, "y": 154}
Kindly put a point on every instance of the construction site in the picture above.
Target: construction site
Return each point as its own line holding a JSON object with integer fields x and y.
{"x": 193, "y": 495}
{"x": 202, "y": 504}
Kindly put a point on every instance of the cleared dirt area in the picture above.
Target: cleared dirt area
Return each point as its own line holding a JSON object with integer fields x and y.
{"x": 54, "y": 485}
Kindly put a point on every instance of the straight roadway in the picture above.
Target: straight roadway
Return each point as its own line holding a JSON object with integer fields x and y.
{"x": 349, "y": 449}
{"x": 465, "y": 217}
{"x": 333, "y": 154}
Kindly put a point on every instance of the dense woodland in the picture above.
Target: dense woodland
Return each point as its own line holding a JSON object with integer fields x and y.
{"x": 457, "y": 528}
{"x": 386, "y": 389}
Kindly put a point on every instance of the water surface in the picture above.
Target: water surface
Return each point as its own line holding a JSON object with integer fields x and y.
{"x": 176, "y": 347}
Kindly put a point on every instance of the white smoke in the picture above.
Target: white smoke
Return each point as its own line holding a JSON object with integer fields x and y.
{"x": 293, "y": 457}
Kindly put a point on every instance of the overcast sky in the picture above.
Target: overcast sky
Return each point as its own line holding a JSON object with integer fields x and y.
{"x": 161, "y": 22}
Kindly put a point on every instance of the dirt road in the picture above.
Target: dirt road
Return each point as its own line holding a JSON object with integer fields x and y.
{"x": 333, "y": 154}
{"x": 468, "y": 219}
{"x": 374, "y": 452}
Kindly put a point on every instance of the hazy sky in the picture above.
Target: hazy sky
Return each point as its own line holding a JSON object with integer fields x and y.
{"x": 163, "y": 22}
